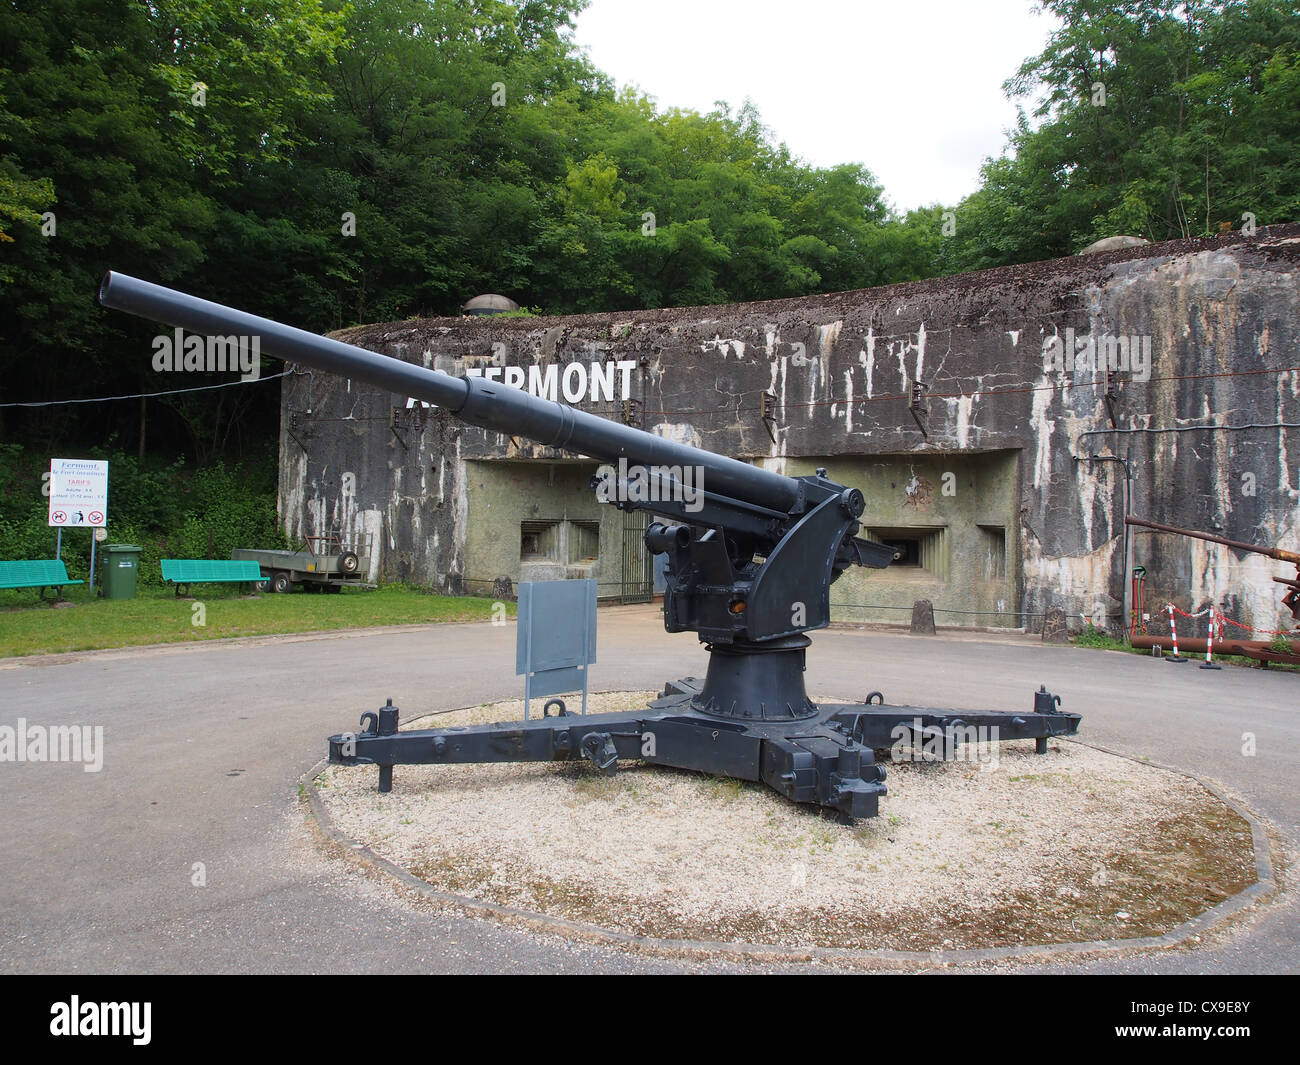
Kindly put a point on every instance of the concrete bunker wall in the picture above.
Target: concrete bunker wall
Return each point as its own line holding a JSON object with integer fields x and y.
{"x": 1202, "y": 333}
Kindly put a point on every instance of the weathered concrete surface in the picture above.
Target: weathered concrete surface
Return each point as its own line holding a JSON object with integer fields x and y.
{"x": 1219, "y": 318}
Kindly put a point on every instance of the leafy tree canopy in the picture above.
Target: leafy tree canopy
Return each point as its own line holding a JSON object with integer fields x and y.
{"x": 330, "y": 163}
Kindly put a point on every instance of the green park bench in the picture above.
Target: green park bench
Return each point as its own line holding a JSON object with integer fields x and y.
{"x": 37, "y": 573}
{"x": 186, "y": 571}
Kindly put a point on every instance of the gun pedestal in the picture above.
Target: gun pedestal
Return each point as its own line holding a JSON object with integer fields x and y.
{"x": 756, "y": 682}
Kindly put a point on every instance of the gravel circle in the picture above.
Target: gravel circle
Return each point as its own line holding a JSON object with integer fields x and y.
{"x": 1003, "y": 848}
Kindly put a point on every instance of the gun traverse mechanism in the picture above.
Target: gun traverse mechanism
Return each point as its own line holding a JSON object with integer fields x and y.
{"x": 751, "y": 555}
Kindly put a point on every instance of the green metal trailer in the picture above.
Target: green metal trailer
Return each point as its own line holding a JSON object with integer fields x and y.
{"x": 326, "y": 563}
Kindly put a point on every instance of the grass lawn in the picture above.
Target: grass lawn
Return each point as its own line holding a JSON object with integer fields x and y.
{"x": 28, "y": 627}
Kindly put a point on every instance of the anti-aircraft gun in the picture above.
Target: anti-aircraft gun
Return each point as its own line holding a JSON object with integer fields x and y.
{"x": 751, "y": 555}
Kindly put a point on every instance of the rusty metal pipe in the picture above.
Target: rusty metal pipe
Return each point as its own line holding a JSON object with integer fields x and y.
{"x": 1256, "y": 649}
{"x": 1272, "y": 552}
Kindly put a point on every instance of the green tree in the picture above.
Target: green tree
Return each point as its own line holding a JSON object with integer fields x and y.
{"x": 100, "y": 122}
{"x": 1158, "y": 118}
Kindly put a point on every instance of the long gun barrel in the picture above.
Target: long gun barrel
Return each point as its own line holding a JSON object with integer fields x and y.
{"x": 757, "y": 541}
{"x": 477, "y": 401}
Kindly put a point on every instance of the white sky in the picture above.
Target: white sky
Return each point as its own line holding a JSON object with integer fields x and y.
{"x": 911, "y": 88}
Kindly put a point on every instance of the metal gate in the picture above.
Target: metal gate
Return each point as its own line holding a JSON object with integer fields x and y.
{"x": 636, "y": 571}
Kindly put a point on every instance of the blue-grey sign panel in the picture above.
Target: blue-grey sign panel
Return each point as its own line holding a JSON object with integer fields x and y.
{"x": 556, "y": 625}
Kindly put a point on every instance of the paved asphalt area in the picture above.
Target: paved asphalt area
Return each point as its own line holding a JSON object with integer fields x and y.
{"x": 204, "y": 745}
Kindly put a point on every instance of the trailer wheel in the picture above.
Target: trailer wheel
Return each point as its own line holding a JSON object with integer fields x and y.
{"x": 264, "y": 585}
{"x": 280, "y": 582}
{"x": 348, "y": 562}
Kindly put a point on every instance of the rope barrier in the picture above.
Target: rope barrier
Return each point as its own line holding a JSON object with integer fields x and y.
{"x": 1217, "y": 621}
{"x": 1222, "y": 620}
{"x": 1247, "y": 628}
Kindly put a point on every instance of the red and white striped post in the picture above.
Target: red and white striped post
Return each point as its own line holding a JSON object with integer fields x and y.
{"x": 1209, "y": 644}
{"x": 1173, "y": 631}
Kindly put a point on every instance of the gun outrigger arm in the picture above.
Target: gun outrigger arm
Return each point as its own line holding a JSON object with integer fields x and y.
{"x": 751, "y": 561}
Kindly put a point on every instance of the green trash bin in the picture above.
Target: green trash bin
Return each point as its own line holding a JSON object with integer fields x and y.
{"x": 119, "y": 564}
